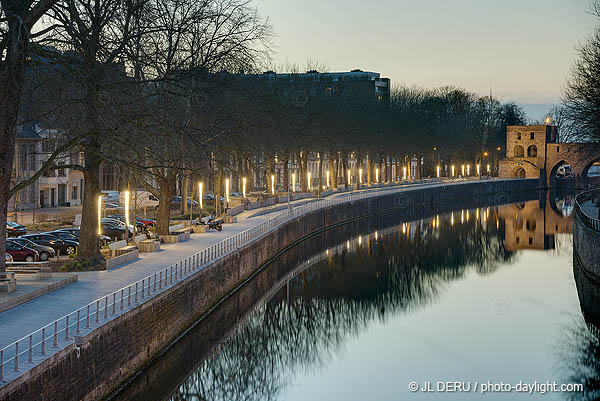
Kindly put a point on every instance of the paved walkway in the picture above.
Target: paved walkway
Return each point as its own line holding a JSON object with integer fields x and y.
{"x": 19, "y": 321}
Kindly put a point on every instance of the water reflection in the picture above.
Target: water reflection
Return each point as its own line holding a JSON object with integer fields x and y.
{"x": 277, "y": 329}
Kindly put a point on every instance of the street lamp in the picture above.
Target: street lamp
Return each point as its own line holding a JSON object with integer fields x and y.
{"x": 468, "y": 169}
{"x": 349, "y": 177}
{"x": 377, "y": 175}
{"x": 244, "y": 187}
{"x": 327, "y": 178}
{"x": 308, "y": 175}
{"x": 127, "y": 212}
{"x": 293, "y": 182}
{"x": 360, "y": 176}
{"x": 99, "y": 214}
{"x": 272, "y": 184}
{"x": 200, "y": 198}
{"x": 227, "y": 191}
{"x": 463, "y": 170}
{"x": 452, "y": 170}
{"x": 438, "y": 171}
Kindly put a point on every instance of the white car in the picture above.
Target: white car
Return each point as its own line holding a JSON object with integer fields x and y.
{"x": 140, "y": 199}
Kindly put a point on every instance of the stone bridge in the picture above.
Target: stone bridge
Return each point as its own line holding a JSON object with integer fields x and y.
{"x": 533, "y": 151}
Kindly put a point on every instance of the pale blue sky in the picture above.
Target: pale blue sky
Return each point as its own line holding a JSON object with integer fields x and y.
{"x": 520, "y": 49}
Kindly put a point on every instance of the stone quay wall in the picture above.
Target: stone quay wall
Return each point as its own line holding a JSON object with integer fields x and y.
{"x": 111, "y": 354}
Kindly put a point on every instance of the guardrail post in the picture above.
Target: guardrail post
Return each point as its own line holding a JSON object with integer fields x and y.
{"x": 67, "y": 328}
{"x": 55, "y": 345}
{"x": 160, "y": 282}
{"x": 114, "y": 303}
{"x": 121, "y": 306}
{"x": 97, "y": 311}
{"x": 43, "y": 342}
{"x": 143, "y": 289}
{"x": 87, "y": 319}
{"x": 129, "y": 296}
{"x": 30, "y": 359}
{"x": 154, "y": 288}
{"x": 136, "y": 292}
{"x": 1, "y": 365}
{"x": 16, "y": 369}
{"x": 106, "y": 307}
{"x": 175, "y": 271}
{"x": 78, "y": 321}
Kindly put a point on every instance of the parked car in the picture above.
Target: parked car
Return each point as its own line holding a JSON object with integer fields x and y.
{"x": 15, "y": 229}
{"x": 118, "y": 223}
{"x": 59, "y": 245}
{"x": 45, "y": 252}
{"x": 177, "y": 200}
{"x": 141, "y": 199}
{"x": 104, "y": 239}
{"x": 21, "y": 253}
{"x": 8, "y": 258}
{"x": 113, "y": 230}
{"x": 114, "y": 206}
{"x": 64, "y": 235}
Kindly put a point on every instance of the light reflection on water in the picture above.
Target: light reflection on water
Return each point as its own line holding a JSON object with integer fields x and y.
{"x": 481, "y": 294}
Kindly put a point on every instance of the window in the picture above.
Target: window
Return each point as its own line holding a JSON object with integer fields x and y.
{"x": 519, "y": 136}
{"x": 518, "y": 240}
{"x": 530, "y": 241}
{"x": 32, "y": 162}
{"x": 74, "y": 192}
{"x": 532, "y": 135}
{"x": 532, "y": 151}
{"x": 519, "y": 151}
{"x": 61, "y": 171}
{"x": 557, "y": 148}
{"x": 23, "y": 157}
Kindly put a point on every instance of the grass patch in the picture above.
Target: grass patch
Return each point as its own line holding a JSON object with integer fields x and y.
{"x": 48, "y": 226}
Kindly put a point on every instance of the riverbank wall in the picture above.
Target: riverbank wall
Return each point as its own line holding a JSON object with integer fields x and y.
{"x": 100, "y": 362}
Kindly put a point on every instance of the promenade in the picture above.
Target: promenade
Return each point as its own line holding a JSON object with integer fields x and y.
{"x": 19, "y": 321}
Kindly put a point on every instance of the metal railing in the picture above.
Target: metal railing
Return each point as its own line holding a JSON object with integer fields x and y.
{"x": 25, "y": 352}
{"x": 589, "y": 221}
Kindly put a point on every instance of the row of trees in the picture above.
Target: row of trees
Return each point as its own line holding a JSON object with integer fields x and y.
{"x": 162, "y": 88}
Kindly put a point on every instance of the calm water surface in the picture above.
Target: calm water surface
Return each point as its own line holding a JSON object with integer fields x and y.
{"x": 482, "y": 294}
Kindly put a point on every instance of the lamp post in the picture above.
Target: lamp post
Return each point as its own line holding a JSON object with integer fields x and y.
{"x": 200, "y": 198}
{"x": 99, "y": 214}
{"x": 349, "y": 183}
{"x": 308, "y": 176}
{"x": 293, "y": 182}
{"x": 377, "y": 175}
{"x": 127, "y": 213}
{"x": 244, "y": 187}
{"x": 453, "y": 170}
{"x": 438, "y": 171}
{"x": 360, "y": 176}
{"x": 328, "y": 179}
{"x": 272, "y": 184}
{"x": 227, "y": 192}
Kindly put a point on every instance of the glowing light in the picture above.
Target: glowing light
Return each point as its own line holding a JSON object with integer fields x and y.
{"x": 477, "y": 214}
{"x": 349, "y": 177}
{"x": 376, "y": 235}
{"x": 437, "y": 220}
{"x": 99, "y": 214}
{"x": 200, "y": 193}
{"x": 452, "y": 219}
{"x": 478, "y": 168}
{"x": 463, "y": 170}
{"x": 227, "y": 190}
{"x": 360, "y": 176}
{"x": 348, "y": 245}
{"x": 293, "y": 182}
{"x": 359, "y": 240}
{"x": 327, "y": 178}
{"x": 452, "y": 171}
{"x": 272, "y": 184}
{"x": 244, "y": 187}
{"x": 497, "y": 224}
{"x": 127, "y": 212}
{"x": 468, "y": 169}
{"x": 403, "y": 228}
{"x": 438, "y": 171}
{"x": 462, "y": 216}
{"x": 404, "y": 173}
{"x": 308, "y": 175}
{"x": 377, "y": 175}
{"x": 467, "y": 215}
{"x": 488, "y": 168}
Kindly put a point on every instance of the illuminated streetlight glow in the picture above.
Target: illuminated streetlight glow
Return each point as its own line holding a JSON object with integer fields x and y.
{"x": 438, "y": 171}
{"x": 293, "y": 182}
{"x": 272, "y": 184}
{"x": 463, "y": 170}
{"x": 308, "y": 175}
{"x": 488, "y": 168}
{"x": 360, "y": 176}
{"x": 200, "y": 198}
{"x": 327, "y": 178}
{"x": 127, "y": 212}
{"x": 349, "y": 181}
{"x": 468, "y": 169}
{"x": 404, "y": 173}
{"x": 478, "y": 168}
{"x": 452, "y": 171}
{"x": 452, "y": 219}
{"x": 377, "y": 175}
{"x": 99, "y": 214}
{"x": 227, "y": 190}
{"x": 244, "y": 187}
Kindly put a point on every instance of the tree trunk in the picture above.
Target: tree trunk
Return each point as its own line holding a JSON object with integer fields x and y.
{"x": 268, "y": 173}
{"x": 286, "y": 174}
{"x": 89, "y": 247}
{"x": 331, "y": 178}
{"x": 185, "y": 193}
{"x": 167, "y": 190}
{"x": 320, "y": 175}
{"x": 345, "y": 170}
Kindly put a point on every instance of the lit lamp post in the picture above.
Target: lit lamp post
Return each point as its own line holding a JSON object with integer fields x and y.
{"x": 468, "y": 169}
{"x": 227, "y": 192}
{"x": 327, "y": 178}
{"x": 99, "y": 214}
{"x": 377, "y": 176}
{"x": 404, "y": 173}
{"x": 200, "y": 198}
{"x": 478, "y": 170}
{"x": 452, "y": 170}
{"x": 360, "y": 176}
{"x": 308, "y": 176}
{"x": 244, "y": 187}
{"x": 293, "y": 182}
{"x": 438, "y": 171}
{"x": 349, "y": 177}
{"x": 463, "y": 170}
{"x": 272, "y": 184}
{"x": 127, "y": 213}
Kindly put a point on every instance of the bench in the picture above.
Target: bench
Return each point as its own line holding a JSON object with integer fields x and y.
{"x": 149, "y": 245}
{"x": 8, "y": 282}
{"x": 122, "y": 259}
{"x": 123, "y": 250}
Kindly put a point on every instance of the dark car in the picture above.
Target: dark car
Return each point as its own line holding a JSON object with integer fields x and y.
{"x": 104, "y": 240}
{"x": 15, "y": 229}
{"x": 21, "y": 253}
{"x": 64, "y": 235}
{"x": 140, "y": 225}
{"x": 68, "y": 247}
{"x": 113, "y": 230}
{"x": 45, "y": 252}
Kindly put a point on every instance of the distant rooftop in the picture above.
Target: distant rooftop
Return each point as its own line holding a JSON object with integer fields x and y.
{"x": 355, "y": 74}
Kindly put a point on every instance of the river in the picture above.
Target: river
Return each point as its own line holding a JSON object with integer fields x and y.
{"x": 484, "y": 296}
